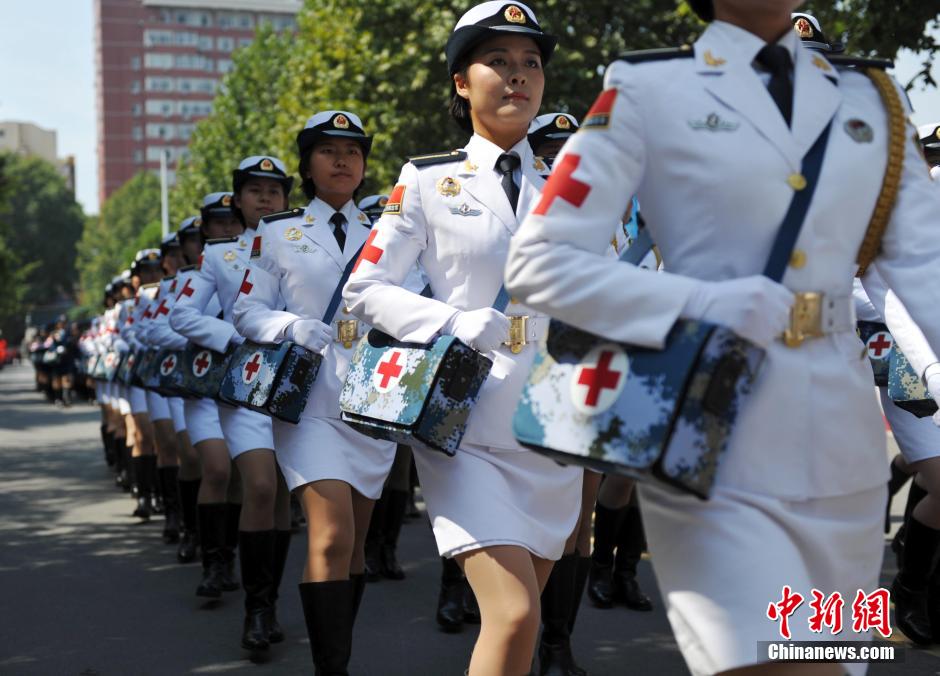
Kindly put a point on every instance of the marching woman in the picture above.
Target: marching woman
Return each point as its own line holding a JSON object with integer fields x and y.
{"x": 336, "y": 472}
{"x": 502, "y": 512}
{"x": 260, "y": 187}
{"x": 799, "y": 497}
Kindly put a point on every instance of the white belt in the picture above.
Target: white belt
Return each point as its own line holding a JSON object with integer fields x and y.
{"x": 817, "y": 314}
{"x": 525, "y": 329}
{"x": 348, "y": 331}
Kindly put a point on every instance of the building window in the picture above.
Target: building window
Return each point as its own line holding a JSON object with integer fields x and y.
{"x": 158, "y": 61}
{"x": 137, "y": 133}
{"x": 225, "y": 65}
{"x": 225, "y": 44}
{"x": 138, "y": 156}
{"x": 244, "y": 42}
{"x": 135, "y": 63}
{"x": 135, "y": 87}
{"x": 135, "y": 110}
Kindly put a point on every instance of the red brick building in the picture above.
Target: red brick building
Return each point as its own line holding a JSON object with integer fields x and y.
{"x": 158, "y": 64}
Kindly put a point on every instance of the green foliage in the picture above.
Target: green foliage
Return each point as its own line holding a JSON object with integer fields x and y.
{"x": 129, "y": 221}
{"x": 40, "y": 223}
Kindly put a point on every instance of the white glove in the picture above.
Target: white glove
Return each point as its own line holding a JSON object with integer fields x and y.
{"x": 483, "y": 330}
{"x": 311, "y": 333}
{"x": 932, "y": 381}
{"x": 755, "y": 308}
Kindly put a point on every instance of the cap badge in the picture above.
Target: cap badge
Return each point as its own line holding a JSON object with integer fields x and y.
{"x": 712, "y": 60}
{"x": 341, "y": 121}
{"x": 448, "y": 187}
{"x": 226, "y": 200}
{"x": 514, "y": 15}
{"x": 309, "y": 219}
{"x": 562, "y": 122}
{"x": 152, "y": 256}
{"x": 803, "y": 28}
{"x": 539, "y": 165}
{"x": 363, "y": 218}
{"x": 383, "y": 201}
{"x": 470, "y": 166}
{"x": 242, "y": 244}
{"x": 198, "y": 222}
{"x": 266, "y": 165}
{"x": 937, "y": 133}
{"x": 859, "y": 130}
{"x": 293, "y": 234}
{"x": 229, "y": 256}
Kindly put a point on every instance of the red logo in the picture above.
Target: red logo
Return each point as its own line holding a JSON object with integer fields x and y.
{"x": 166, "y": 368}
{"x": 395, "y": 201}
{"x": 869, "y": 611}
{"x": 563, "y": 184}
{"x": 598, "y": 117}
{"x": 246, "y": 286}
{"x": 252, "y": 368}
{"x": 782, "y": 610}
{"x": 201, "y": 363}
{"x": 879, "y": 345}
{"x": 598, "y": 380}
{"x": 388, "y": 371}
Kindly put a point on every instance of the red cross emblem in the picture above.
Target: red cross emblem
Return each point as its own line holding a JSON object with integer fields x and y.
{"x": 109, "y": 360}
{"x": 166, "y": 368}
{"x": 563, "y": 184}
{"x": 252, "y": 368}
{"x": 162, "y": 309}
{"x": 246, "y": 286}
{"x": 201, "y": 363}
{"x": 148, "y": 314}
{"x": 370, "y": 252}
{"x": 599, "y": 379}
{"x": 879, "y": 345}
{"x": 187, "y": 290}
{"x": 388, "y": 371}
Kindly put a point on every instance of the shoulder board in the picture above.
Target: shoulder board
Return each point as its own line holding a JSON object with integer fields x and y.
{"x": 169, "y": 278}
{"x": 221, "y": 240}
{"x": 859, "y": 62}
{"x": 280, "y": 215}
{"x": 187, "y": 268}
{"x": 644, "y": 55}
{"x": 438, "y": 158}
{"x": 152, "y": 285}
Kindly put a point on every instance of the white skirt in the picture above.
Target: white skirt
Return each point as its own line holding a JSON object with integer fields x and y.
{"x": 177, "y": 413}
{"x": 157, "y": 406}
{"x": 202, "y": 420}
{"x": 101, "y": 393}
{"x": 119, "y": 399}
{"x": 918, "y": 438}
{"x": 244, "y": 430}
{"x": 317, "y": 449}
{"x": 483, "y": 497}
{"x": 138, "y": 400}
{"x": 721, "y": 563}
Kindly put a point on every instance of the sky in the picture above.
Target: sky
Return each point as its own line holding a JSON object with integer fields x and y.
{"x": 47, "y": 77}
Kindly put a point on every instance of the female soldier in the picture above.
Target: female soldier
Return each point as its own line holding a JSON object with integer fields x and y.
{"x": 504, "y": 514}
{"x": 260, "y": 187}
{"x": 336, "y": 472}
{"x": 799, "y": 497}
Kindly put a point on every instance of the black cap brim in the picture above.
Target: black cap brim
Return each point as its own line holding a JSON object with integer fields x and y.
{"x": 704, "y": 8}
{"x": 463, "y": 40}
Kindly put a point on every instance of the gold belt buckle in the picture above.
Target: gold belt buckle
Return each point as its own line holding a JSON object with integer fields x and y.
{"x": 517, "y": 332}
{"x": 347, "y": 331}
{"x": 805, "y": 319}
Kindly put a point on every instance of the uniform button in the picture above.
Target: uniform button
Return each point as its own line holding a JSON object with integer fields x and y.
{"x": 798, "y": 259}
{"x": 796, "y": 181}
{"x": 345, "y": 310}
{"x": 514, "y": 301}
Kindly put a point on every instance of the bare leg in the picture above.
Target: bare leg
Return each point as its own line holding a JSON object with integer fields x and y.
{"x": 215, "y": 464}
{"x": 331, "y": 526}
{"x": 258, "y": 473}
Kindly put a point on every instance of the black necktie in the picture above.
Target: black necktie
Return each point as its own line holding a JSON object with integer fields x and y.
{"x": 776, "y": 60}
{"x": 506, "y": 164}
{"x": 338, "y": 221}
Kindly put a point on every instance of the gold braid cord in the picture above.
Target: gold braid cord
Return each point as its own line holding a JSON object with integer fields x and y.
{"x": 871, "y": 245}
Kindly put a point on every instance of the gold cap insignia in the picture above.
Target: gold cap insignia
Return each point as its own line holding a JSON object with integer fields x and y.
{"x": 803, "y": 28}
{"x": 229, "y": 256}
{"x": 363, "y": 218}
{"x": 226, "y": 200}
{"x": 448, "y": 187}
{"x": 292, "y": 234}
{"x": 514, "y": 15}
{"x": 341, "y": 122}
{"x": 383, "y": 201}
{"x": 152, "y": 256}
{"x": 937, "y": 133}
{"x": 562, "y": 122}
{"x": 266, "y": 164}
{"x": 309, "y": 218}
{"x": 539, "y": 165}
{"x": 198, "y": 222}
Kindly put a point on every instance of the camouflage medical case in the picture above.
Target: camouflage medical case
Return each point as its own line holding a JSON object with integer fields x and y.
{"x": 878, "y": 346}
{"x": 126, "y": 369}
{"x": 202, "y": 371}
{"x": 415, "y": 394}
{"x": 906, "y": 389}
{"x": 112, "y": 362}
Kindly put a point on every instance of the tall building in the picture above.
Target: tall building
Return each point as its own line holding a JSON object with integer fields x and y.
{"x": 25, "y": 138}
{"x": 158, "y": 65}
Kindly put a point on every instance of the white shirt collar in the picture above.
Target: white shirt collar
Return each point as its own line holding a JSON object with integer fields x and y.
{"x": 484, "y": 153}
{"x": 745, "y": 44}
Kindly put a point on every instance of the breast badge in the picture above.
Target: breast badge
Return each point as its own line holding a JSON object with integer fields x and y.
{"x": 465, "y": 210}
{"x": 448, "y": 187}
{"x": 229, "y": 256}
{"x": 714, "y": 123}
{"x": 859, "y": 130}
{"x": 292, "y": 234}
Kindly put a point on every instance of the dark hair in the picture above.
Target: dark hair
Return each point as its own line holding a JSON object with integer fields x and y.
{"x": 306, "y": 182}
{"x": 459, "y": 106}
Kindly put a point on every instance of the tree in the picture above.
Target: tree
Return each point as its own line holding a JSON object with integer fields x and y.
{"x": 40, "y": 223}
{"x": 110, "y": 240}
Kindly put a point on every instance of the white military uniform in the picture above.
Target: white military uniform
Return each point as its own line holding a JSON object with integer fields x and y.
{"x": 917, "y": 438}
{"x": 800, "y": 494}
{"x": 220, "y": 275}
{"x": 200, "y": 415}
{"x": 301, "y": 263}
{"x": 130, "y": 314}
{"x": 492, "y": 491}
{"x": 155, "y": 315}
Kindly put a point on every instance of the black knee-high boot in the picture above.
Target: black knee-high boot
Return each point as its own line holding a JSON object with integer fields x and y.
{"x": 909, "y": 590}
{"x": 123, "y": 458}
{"x": 450, "y": 600}
{"x": 107, "y": 441}
{"x": 171, "y": 503}
{"x": 555, "y": 658}
{"x": 328, "y": 614}
{"x": 232, "y": 516}
{"x": 914, "y": 495}
{"x": 156, "y": 488}
{"x": 397, "y": 502}
{"x": 359, "y": 588}
{"x": 897, "y": 480}
{"x": 257, "y": 555}
{"x": 374, "y": 538}
{"x": 281, "y": 548}
{"x": 580, "y": 580}
{"x": 142, "y": 483}
{"x": 630, "y": 544}
{"x": 189, "y": 538}
{"x": 212, "y": 518}
{"x": 606, "y": 525}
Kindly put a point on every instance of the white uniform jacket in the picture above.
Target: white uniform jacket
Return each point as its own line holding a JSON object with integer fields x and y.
{"x": 220, "y": 275}
{"x": 454, "y": 219}
{"x": 704, "y": 147}
{"x": 299, "y": 267}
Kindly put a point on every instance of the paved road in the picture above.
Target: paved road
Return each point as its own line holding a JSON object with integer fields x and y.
{"x": 88, "y": 591}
